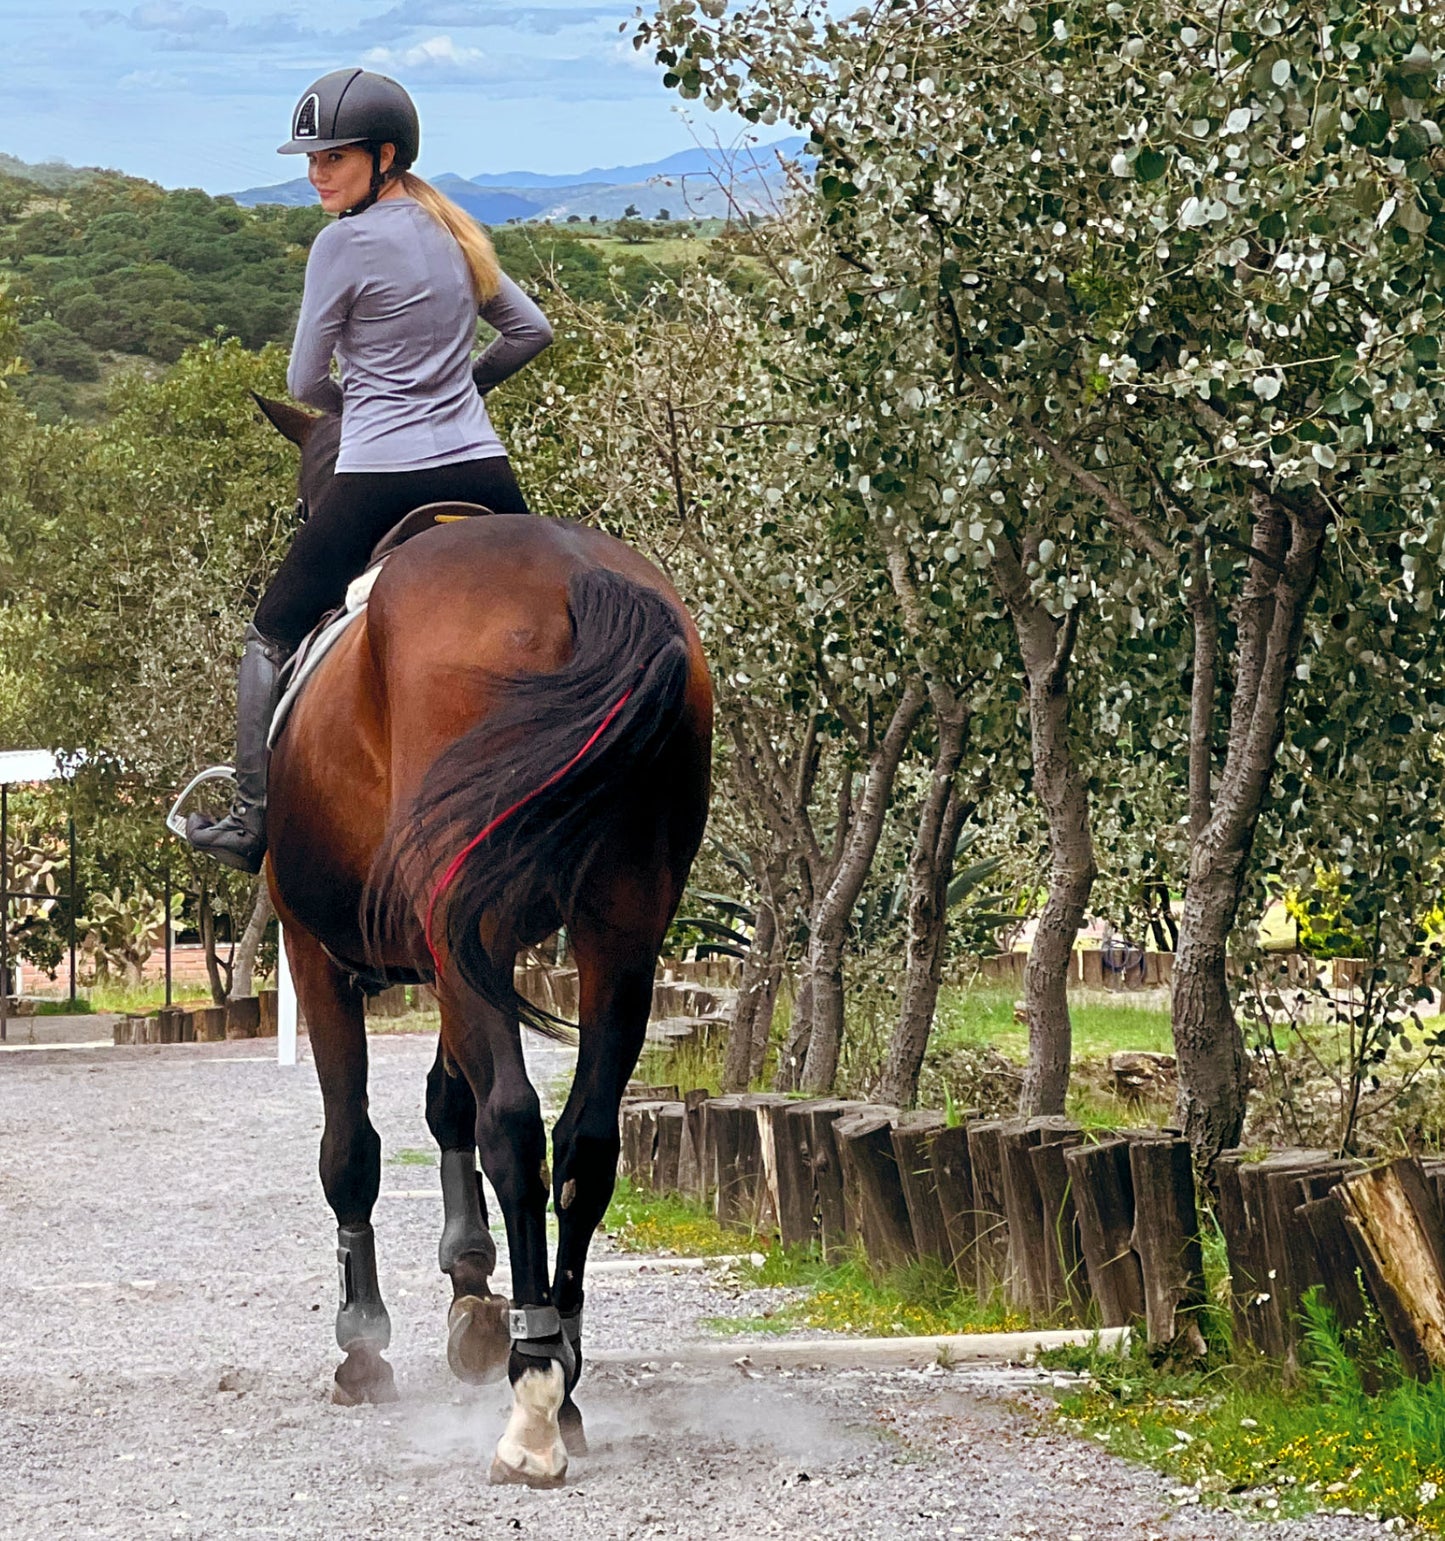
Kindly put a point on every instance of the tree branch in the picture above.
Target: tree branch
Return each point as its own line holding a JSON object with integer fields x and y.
{"x": 1201, "y": 696}
{"x": 1117, "y": 509}
{"x": 1063, "y": 650}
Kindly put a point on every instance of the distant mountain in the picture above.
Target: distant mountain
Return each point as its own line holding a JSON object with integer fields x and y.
{"x": 693, "y": 184}
{"x": 492, "y": 207}
{"x": 289, "y": 193}
{"x": 750, "y": 159}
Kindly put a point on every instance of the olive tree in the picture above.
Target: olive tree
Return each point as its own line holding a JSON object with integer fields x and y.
{"x": 1176, "y": 269}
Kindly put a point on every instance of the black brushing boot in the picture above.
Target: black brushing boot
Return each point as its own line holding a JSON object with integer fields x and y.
{"x": 239, "y": 839}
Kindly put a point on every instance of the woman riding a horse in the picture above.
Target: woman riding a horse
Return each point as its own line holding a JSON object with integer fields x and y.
{"x": 512, "y": 738}
{"x": 392, "y": 291}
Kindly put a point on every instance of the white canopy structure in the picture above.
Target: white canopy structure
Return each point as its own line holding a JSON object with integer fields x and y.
{"x": 21, "y": 765}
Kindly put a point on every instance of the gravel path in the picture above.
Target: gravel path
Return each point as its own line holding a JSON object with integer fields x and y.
{"x": 166, "y": 1352}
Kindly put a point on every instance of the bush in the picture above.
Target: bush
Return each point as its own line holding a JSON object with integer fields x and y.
{"x": 49, "y": 398}
{"x": 53, "y": 349}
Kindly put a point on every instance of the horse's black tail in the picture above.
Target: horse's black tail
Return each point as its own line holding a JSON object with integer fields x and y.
{"x": 511, "y": 819}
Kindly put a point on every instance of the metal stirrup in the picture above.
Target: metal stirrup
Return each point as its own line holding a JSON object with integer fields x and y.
{"x": 174, "y": 821}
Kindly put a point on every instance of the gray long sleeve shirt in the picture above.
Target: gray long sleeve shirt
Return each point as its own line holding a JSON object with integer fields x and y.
{"x": 388, "y": 294}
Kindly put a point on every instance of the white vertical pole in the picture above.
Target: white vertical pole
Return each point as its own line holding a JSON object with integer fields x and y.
{"x": 285, "y": 1003}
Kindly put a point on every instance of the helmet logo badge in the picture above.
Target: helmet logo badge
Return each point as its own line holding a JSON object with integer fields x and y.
{"x": 306, "y": 119}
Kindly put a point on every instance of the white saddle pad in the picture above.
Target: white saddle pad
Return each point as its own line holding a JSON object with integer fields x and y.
{"x": 357, "y": 594}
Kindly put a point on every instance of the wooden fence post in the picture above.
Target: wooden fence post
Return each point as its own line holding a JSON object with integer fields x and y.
{"x": 991, "y": 1245}
{"x": 953, "y": 1182}
{"x": 1394, "y": 1220}
{"x": 668, "y": 1146}
{"x": 1166, "y": 1237}
{"x": 870, "y": 1176}
{"x": 1103, "y": 1192}
{"x": 911, "y": 1141}
{"x": 1065, "y": 1278}
{"x": 689, "y": 1156}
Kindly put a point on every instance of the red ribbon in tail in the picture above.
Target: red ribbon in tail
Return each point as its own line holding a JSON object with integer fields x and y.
{"x": 456, "y": 863}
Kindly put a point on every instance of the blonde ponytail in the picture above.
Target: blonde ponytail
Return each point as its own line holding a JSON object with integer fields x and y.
{"x": 476, "y": 245}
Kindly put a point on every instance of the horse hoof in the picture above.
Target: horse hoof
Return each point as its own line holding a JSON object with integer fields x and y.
{"x": 363, "y": 1376}
{"x": 569, "y": 1421}
{"x": 503, "y": 1474}
{"x": 478, "y": 1342}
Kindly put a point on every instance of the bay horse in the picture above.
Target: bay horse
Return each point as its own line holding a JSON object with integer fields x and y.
{"x": 515, "y": 737}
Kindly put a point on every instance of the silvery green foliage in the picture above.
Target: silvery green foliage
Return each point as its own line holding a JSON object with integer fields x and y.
{"x": 1116, "y": 268}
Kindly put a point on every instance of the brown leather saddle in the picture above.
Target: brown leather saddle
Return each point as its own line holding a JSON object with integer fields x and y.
{"x": 427, "y": 517}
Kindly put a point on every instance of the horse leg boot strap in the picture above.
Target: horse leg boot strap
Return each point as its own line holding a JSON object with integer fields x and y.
{"x": 362, "y": 1316}
{"x": 463, "y": 1230}
{"x": 239, "y": 839}
{"x": 572, "y": 1334}
{"x": 537, "y": 1334}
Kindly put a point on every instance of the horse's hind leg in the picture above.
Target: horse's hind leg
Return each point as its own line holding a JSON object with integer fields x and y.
{"x": 616, "y": 996}
{"x": 477, "y": 1340}
{"x": 513, "y": 1147}
{"x": 350, "y": 1165}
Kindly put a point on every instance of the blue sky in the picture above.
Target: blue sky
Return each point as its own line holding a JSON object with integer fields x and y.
{"x": 193, "y": 93}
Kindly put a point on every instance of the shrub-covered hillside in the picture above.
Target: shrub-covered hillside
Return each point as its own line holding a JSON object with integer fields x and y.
{"x": 111, "y": 272}
{"x": 115, "y": 266}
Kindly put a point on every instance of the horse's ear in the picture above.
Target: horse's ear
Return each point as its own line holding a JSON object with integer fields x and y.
{"x": 289, "y": 421}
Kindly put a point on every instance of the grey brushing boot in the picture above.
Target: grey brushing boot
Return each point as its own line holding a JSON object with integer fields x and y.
{"x": 239, "y": 839}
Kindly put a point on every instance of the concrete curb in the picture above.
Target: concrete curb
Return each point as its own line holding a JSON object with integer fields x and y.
{"x": 836, "y": 1353}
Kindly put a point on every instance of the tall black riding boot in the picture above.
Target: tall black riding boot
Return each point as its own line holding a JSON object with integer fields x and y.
{"x": 239, "y": 839}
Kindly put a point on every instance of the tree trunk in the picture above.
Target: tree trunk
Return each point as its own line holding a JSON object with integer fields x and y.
{"x": 756, "y": 992}
{"x": 1213, "y": 1075}
{"x": 1046, "y": 644}
{"x": 789, "y": 1074}
{"x": 827, "y": 996}
{"x": 767, "y": 1000}
{"x": 778, "y": 793}
{"x": 215, "y": 968}
{"x": 828, "y": 927}
{"x": 244, "y": 975}
{"x": 930, "y": 870}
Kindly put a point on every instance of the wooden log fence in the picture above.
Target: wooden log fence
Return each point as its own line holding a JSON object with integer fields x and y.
{"x": 252, "y": 1016}
{"x": 1069, "y": 1226}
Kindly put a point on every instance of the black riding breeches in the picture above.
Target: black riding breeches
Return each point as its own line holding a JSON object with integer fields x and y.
{"x": 354, "y": 512}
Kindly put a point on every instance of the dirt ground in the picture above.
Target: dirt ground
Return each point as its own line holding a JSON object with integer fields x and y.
{"x": 168, "y": 1277}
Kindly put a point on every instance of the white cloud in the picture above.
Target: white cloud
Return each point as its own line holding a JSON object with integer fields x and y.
{"x": 163, "y": 16}
{"x": 151, "y": 80}
{"x": 631, "y": 58}
{"x": 437, "y": 55}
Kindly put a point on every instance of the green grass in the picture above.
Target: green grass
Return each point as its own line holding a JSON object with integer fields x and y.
{"x": 108, "y": 996}
{"x": 1103, "y": 1025}
{"x": 666, "y": 250}
{"x": 422, "y": 1019}
{"x": 921, "y": 1300}
{"x": 111, "y": 995}
{"x": 410, "y": 1157}
{"x": 638, "y": 1221}
{"x": 691, "y": 1064}
{"x": 1242, "y": 1437}
{"x": 64, "y": 1007}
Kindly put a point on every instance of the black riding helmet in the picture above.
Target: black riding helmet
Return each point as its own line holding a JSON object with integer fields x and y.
{"x": 357, "y": 107}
